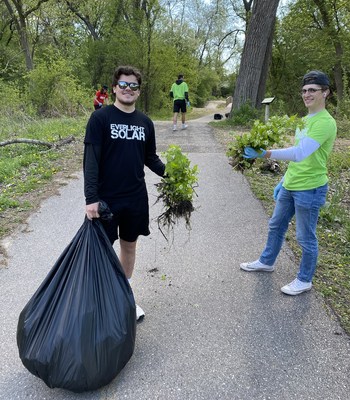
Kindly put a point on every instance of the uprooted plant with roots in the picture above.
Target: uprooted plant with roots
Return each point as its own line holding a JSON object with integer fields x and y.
{"x": 176, "y": 189}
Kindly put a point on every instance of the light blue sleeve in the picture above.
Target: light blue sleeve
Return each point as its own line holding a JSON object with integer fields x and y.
{"x": 298, "y": 153}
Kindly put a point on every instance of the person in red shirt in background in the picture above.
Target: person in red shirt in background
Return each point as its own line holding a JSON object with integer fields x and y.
{"x": 100, "y": 97}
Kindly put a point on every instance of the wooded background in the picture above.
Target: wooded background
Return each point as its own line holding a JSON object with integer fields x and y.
{"x": 54, "y": 54}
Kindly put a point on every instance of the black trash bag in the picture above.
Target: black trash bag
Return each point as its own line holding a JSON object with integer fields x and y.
{"x": 104, "y": 211}
{"x": 78, "y": 330}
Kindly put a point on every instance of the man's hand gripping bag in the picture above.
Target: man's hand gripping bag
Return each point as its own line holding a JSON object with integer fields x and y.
{"x": 78, "y": 330}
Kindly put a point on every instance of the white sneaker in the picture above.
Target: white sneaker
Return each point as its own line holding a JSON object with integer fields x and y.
{"x": 174, "y": 128}
{"x": 256, "y": 266}
{"x": 139, "y": 313}
{"x": 296, "y": 287}
{"x": 184, "y": 126}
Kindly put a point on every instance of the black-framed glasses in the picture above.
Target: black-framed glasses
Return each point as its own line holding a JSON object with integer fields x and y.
{"x": 132, "y": 85}
{"x": 310, "y": 90}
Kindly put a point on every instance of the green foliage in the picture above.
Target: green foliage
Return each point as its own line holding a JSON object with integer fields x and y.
{"x": 227, "y": 84}
{"x": 339, "y": 189}
{"x": 176, "y": 188}
{"x": 338, "y": 162}
{"x": 343, "y": 125}
{"x": 94, "y": 37}
{"x": 208, "y": 81}
{"x": 261, "y": 135}
{"x": 294, "y": 52}
{"x": 12, "y": 102}
{"x": 164, "y": 72}
{"x": 12, "y": 64}
{"x": 245, "y": 115}
{"x": 180, "y": 176}
{"x": 53, "y": 90}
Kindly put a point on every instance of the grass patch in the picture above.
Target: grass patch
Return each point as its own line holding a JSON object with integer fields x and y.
{"x": 27, "y": 170}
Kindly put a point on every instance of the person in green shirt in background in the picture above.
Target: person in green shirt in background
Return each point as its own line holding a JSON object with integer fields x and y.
{"x": 179, "y": 94}
{"x": 303, "y": 189}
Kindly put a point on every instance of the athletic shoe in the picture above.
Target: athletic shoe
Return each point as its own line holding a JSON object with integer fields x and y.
{"x": 296, "y": 287}
{"x": 174, "y": 128}
{"x": 139, "y": 313}
{"x": 256, "y": 266}
{"x": 184, "y": 126}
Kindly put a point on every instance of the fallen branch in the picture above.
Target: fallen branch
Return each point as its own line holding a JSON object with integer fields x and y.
{"x": 59, "y": 143}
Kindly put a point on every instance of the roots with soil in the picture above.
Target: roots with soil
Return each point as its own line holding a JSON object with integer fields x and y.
{"x": 173, "y": 212}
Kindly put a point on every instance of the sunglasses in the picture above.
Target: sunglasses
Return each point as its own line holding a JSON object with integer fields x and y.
{"x": 132, "y": 85}
{"x": 311, "y": 90}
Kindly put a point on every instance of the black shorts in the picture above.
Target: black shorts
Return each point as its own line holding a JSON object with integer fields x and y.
{"x": 130, "y": 219}
{"x": 179, "y": 105}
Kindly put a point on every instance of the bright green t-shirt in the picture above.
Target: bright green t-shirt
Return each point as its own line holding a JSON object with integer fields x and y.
{"x": 312, "y": 171}
{"x": 179, "y": 90}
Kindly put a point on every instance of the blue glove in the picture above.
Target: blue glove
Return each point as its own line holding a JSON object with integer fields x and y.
{"x": 188, "y": 103}
{"x": 276, "y": 190}
{"x": 249, "y": 152}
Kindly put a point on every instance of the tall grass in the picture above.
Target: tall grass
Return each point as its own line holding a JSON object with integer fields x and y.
{"x": 25, "y": 167}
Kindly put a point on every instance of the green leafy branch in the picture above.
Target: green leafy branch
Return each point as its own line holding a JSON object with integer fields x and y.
{"x": 176, "y": 188}
{"x": 262, "y": 135}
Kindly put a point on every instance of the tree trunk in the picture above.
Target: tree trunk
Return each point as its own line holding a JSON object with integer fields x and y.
{"x": 333, "y": 32}
{"x": 20, "y": 24}
{"x": 265, "y": 71}
{"x": 251, "y": 80}
{"x": 85, "y": 19}
{"x": 338, "y": 71}
{"x": 147, "y": 74}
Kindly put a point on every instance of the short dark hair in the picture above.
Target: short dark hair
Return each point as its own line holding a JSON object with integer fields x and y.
{"x": 126, "y": 70}
{"x": 180, "y": 76}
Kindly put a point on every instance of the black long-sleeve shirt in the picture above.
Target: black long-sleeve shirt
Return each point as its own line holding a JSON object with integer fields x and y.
{"x": 117, "y": 147}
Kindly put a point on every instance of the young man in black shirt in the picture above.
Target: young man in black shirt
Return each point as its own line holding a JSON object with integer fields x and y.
{"x": 119, "y": 142}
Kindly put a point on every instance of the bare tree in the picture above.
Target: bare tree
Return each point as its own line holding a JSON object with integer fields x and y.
{"x": 19, "y": 15}
{"x": 91, "y": 26}
{"x": 251, "y": 80}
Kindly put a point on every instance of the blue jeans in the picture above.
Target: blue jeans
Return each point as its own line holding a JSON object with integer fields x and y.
{"x": 305, "y": 205}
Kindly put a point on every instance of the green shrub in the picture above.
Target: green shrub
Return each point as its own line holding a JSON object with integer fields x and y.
{"x": 53, "y": 90}
{"x": 13, "y": 101}
{"x": 338, "y": 162}
{"x": 335, "y": 210}
{"x": 245, "y": 115}
{"x": 208, "y": 81}
{"x": 343, "y": 125}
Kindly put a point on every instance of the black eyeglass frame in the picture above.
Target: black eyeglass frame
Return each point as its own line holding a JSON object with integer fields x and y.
{"x": 310, "y": 90}
{"x": 134, "y": 86}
